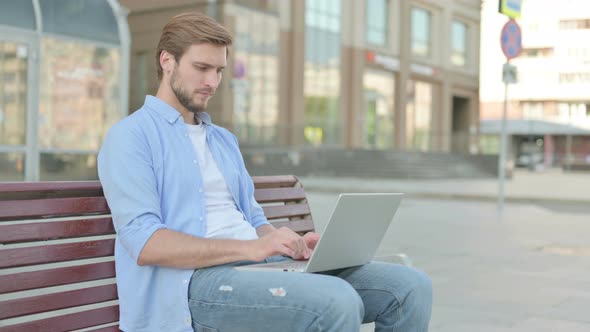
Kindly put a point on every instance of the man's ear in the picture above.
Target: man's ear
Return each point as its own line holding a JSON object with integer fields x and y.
{"x": 167, "y": 62}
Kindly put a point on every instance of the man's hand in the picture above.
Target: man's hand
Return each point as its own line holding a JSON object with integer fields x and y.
{"x": 311, "y": 239}
{"x": 283, "y": 241}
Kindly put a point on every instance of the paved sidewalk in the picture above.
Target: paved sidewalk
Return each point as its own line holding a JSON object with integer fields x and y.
{"x": 551, "y": 186}
{"x": 525, "y": 270}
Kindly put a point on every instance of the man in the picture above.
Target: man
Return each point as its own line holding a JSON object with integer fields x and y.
{"x": 183, "y": 207}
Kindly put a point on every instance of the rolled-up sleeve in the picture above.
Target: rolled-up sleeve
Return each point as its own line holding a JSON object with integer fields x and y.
{"x": 126, "y": 172}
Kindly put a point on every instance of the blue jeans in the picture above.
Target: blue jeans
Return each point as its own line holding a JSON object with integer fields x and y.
{"x": 395, "y": 297}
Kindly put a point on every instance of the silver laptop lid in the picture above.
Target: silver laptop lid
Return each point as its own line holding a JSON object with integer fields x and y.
{"x": 355, "y": 230}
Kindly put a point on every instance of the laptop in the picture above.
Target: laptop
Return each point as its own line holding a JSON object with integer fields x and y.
{"x": 351, "y": 237}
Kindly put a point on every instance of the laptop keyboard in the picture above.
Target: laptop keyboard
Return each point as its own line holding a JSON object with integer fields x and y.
{"x": 291, "y": 265}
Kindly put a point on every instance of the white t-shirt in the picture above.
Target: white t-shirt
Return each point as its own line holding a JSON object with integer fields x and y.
{"x": 224, "y": 219}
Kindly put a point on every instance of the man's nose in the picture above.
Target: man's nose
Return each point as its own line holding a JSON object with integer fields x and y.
{"x": 212, "y": 79}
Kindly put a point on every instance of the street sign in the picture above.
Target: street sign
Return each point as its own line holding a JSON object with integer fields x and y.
{"x": 510, "y": 8}
{"x": 511, "y": 39}
{"x": 509, "y": 75}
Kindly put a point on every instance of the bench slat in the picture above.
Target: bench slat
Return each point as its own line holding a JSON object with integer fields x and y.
{"x": 78, "y": 320}
{"x": 55, "y": 277}
{"x": 275, "y": 181}
{"x": 24, "y": 209}
{"x": 55, "y": 230}
{"x": 299, "y": 226}
{"x": 48, "y": 302}
{"x": 279, "y": 195}
{"x": 285, "y": 211}
{"x": 50, "y": 186}
{"x": 56, "y": 253}
{"x": 114, "y": 328}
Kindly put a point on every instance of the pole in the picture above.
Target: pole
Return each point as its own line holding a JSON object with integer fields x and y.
{"x": 502, "y": 160}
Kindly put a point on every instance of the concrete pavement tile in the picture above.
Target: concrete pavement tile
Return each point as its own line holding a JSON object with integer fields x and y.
{"x": 470, "y": 328}
{"x": 537, "y": 324}
{"x": 572, "y": 309}
{"x": 445, "y": 316}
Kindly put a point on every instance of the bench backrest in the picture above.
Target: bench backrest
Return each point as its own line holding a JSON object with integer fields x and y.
{"x": 57, "y": 243}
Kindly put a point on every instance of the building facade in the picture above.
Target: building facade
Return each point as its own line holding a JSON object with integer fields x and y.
{"x": 375, "y": 74}
{"x": 549, "y": 106}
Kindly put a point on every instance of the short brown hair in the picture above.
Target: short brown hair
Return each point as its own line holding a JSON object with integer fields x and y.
{"x": 187, "y": 29}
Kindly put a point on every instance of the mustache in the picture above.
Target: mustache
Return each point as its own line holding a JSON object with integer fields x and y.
{"x": 207, "y": 91}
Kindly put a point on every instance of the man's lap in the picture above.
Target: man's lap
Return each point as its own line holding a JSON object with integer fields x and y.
{"x": 253, "y": 297}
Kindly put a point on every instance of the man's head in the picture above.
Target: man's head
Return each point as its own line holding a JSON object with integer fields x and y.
{"x": 191, "y": 55}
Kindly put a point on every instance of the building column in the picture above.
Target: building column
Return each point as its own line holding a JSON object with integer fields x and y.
{"x": 401, "y": 86}
{"x": 351, "y": 71}
{"x": 291, "y": 79}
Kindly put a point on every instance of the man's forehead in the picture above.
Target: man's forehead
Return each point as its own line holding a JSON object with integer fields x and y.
{"x": 214, "y": 55}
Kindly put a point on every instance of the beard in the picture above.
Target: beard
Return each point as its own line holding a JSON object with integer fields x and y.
{"x": 184, "y": 97}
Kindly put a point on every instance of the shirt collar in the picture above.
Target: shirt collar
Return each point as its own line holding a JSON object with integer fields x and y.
{"x": 168, "y": 112}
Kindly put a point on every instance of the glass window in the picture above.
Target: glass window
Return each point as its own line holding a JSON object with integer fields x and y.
{"x": 378, "y": 120}
{"x": 79, "y": 94}
{"x": 139, "y": 88}
{"x": 12, "y": 166}
{"x": 458, "y": 43}
{"x": 420, "y": 32}
{"x": 65, "y": 166}
{"x": 86, "y": 19}
{"x": 532, "y": 110}
{"x": 376, "y": 20}
{"x": 418, "y": 115}
{"x": 256, "y": 77}
{"x": 13, "y": 93}
{"x": 20, "y": 14}
{"x": 322, "y": 72}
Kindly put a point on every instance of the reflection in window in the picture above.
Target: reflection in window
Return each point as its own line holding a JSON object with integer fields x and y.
{"x": 420, "y": 32}
{"x": 458, "y": 43}
{"x": 378, "y": 122}
{"x": 18, "y": 14}
{"x": 92, "y": 20}
{"x": 66, "y": 166}
{"x": 376, "y": 20}
{"x": 13, "y": 93}
{"x": 418, "y": 115}
{"x": 322, "y": 72}
{"x": 79, "y": 92}
{"x": 256, "y": 77}
{"x": 139, "y": 89}
{"x": 12, "y": 167}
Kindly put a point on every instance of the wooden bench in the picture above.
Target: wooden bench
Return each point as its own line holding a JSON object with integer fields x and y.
{"x": 57, "y": 244}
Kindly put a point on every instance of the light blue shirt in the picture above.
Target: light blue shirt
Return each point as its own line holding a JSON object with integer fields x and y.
{"x": 151, "y": 179}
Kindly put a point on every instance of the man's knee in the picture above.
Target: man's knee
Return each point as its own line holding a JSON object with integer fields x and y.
{"x": 421, "y": 292}
{"x": 342, "y": 305}
{"x": 348, "y": 299}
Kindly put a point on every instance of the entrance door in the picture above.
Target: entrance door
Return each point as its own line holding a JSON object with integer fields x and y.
{"x": 460, "y": 126}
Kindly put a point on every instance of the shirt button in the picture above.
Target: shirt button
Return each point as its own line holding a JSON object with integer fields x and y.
{"x": 200, "y": 190}
{"x": 201, "y": 218}
{"x": 185, "y": 281}
{"x": 194, "y": 161}
{"x": 187, "y": 320}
